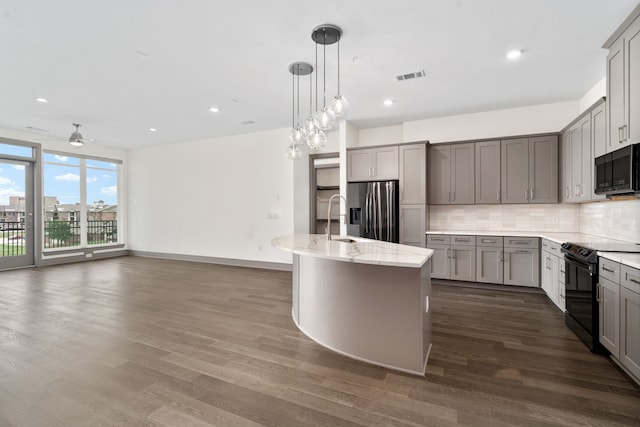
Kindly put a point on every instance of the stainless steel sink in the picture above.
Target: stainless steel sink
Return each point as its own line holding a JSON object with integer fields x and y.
{"x": 344, "y": 240}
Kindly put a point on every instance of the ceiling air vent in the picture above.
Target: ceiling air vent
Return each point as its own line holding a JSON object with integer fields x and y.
{"x": 247, "y": 122}
{"x": 37, "y": 129}
{"x": 410, "y": 76}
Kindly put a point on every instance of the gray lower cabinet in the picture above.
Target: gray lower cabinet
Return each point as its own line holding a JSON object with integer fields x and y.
{"x": 609, "y": 315}
{"x": 463, "y": 258}
{"x": 489, "y": 261}
{"x": 552, "y": 272}
{"x": 630, "y": 320}
{"x": 412, "y": 225}
{"x": 454, "y": 257}
{"x": 521, "y": 261}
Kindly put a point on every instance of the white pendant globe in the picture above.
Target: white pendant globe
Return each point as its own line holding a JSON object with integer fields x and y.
{"x": 292, "y": 152}
{"x": 339, "y": 106}
{"x": 309, "y": 126}
{"x": 297, "y": 136}
{"x": 317, "y": 140}
{"x": 324, "y": 119}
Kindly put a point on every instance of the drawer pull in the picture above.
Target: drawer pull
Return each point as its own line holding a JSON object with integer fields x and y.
{"x": 489, "y": 241}
{"x": 521, "y": 252}
{"x": 634, "y": 281}
{"x": 462, "y": 240}
{"x": 607, "y": 269}
{"x": 519, "y": 242}
{"x": 438, "y": 239}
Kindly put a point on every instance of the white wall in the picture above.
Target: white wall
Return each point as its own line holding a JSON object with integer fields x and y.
{"x": 380, "y": 136}
{"x": 594, "y": 94}
{"x": 213, "y": 198}
{"x": 491, "y": 124}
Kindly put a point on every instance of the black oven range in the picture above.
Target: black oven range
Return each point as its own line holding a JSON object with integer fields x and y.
{"x": 581, "y": 281}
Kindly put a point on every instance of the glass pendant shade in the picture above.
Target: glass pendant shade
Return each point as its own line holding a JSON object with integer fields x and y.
{"x": 309, "y": 125}
{"x": 317, "y": 140}
{"x": 292, "y": 152}
{"x": 339, "y": 106}
{"x": 298, "y": 135}
{"x": 324, "y": 119}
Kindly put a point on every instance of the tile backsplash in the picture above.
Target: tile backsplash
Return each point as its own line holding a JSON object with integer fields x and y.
{"x": 613, "y": 219}
{"x": 560, "y": 217}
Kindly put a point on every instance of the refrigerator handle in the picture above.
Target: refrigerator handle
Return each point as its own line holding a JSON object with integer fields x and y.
{"x": 379, "y": 203}
{"x": 389, "y": 211}
{"x": 367, "y": 206}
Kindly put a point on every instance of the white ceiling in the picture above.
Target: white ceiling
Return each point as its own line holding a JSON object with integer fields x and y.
{"x": 119, "y": 67}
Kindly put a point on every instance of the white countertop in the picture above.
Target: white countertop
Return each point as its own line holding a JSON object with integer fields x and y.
{"x": 630, "y": 259}
{"x": 550, "y": 235}
{"x": 364, "y": 251}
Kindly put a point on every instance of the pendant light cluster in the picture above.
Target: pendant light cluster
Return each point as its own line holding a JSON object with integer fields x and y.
{"x": 323, "y": 119}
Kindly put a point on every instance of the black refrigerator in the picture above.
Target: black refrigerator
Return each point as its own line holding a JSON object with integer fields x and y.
{"x": 373, "y": 210}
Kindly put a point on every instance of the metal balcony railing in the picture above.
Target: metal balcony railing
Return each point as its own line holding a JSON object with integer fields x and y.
{"x": 11, "y": 238}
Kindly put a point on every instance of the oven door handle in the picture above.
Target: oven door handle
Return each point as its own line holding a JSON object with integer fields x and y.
{"x": 578, "y": 263}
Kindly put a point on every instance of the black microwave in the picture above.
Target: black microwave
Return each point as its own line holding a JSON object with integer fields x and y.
{"x": 618, "y": 172}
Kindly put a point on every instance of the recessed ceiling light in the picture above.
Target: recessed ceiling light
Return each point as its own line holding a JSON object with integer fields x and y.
{"x": 514, "y": 54}
{"x": 214, "y": 109}
{"x": 43, "y": 100}
{"x": 388, "y": 102}
{"x": 152, "y": 129}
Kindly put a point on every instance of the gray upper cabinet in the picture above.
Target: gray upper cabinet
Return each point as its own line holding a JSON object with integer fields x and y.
{"x": 515, "y": 170}
{"x": 543, "y": 169}
{"x": 451, "y": 174}
{"x": 413, "y": 174}
{"x": 440, "y": 175}
{"x": 530, "y": 170}
{"x": 579, "y": 145}
{"x": 372, "y": 164}
{"x": 615, "y": 96}
{"x": 623, "y": 88}
{"x": 487, "y": 172}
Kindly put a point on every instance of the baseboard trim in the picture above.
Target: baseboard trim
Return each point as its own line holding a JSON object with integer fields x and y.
{"x": 214, "y": 260}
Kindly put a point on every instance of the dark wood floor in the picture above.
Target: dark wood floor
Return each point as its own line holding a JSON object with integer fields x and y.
{"x": 135, "y": 341}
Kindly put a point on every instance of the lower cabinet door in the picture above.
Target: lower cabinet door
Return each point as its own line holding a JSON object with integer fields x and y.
{"x": 609, "y": 315}
{"x": 463, "y": 263}
{"x": 521, "y": 267}
{"x": 630, "y": 331}
{"x": 489, "y": 267}
{"x": 440, "y": 262}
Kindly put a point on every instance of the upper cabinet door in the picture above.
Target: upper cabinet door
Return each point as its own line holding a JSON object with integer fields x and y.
{"x": 543, "y": 169}
{"x": 385, "y": 163}
{"x": 615, "y": 95}
{"x": 439, "y": 175}
{"x": 413, "y": 174}
{"x": 565, "y": 158}
{"x": 514, "y": 161}
{"x": 359, "y": 165}
{"x": 462, "y": 174}
{"x": 599, "y": 131}
{"x": 487, "y": 172}
{"x": 632, "y": 52}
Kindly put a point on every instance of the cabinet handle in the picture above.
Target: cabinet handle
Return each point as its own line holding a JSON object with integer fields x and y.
{"x": 369, "y": 172}
{"x": 521, "y": 252}
{"x": 454, "y": 196}
{"x": 566, "y": 192}
{"x": 498, "y": 195}
{"x": 457, "y": 239}
{"x": 531, "y": 191}
{"x": 488, "y": 241}
{"x": 374, "y": 171}
{"x": 634, "y": 280}
{"x": 449, "y": 197}
{"x": 621, "y": 134}
{"x": 576, "y": 191}
{"x": 598, "y": 292}
{"x": 519, "y": 242}
{"x": 608, "y": 269}
{"x": 500, "y": 257}
{"x": 448, "y": 253}
{"x": 525, "y": 194}
{"x": 437, "y": 239}
{"x": 453, "y": 253}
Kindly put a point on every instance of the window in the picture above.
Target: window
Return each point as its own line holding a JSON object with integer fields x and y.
{"x": 80, "y": 201}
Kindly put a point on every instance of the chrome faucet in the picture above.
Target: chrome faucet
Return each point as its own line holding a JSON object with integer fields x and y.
{"x": 329, "y": 213}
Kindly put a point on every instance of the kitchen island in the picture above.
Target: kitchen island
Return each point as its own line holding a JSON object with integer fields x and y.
{"x": 362, "y": 298}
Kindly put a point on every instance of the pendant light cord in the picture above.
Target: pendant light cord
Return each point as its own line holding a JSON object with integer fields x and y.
{"x": 298, "y": 96}
{"x": 293, "y": 98}
{"x": 324, "y": 69}
{"x": 338, "y": 64}
{"x": 316, "y": 75}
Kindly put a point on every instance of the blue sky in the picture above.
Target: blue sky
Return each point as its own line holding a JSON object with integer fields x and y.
{"x": 62, "y": 179}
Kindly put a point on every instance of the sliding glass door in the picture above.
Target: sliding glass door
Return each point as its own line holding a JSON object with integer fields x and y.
{"x": 16, "y": 214}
